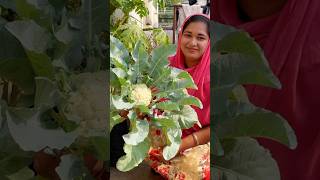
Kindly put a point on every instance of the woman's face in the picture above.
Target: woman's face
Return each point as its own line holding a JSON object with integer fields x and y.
{"x": 194, "y": 41}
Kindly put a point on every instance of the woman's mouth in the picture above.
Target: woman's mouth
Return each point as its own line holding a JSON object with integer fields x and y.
{"x": 192, "y": 50}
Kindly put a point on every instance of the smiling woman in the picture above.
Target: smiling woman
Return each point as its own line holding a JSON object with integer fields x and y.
{"x": 193, "y": 56}
{"x": 194, "y": 40}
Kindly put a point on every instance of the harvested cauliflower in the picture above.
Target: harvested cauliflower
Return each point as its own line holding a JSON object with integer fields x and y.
{"x": 87, "y": 104}
{"x": 141, "y": 94}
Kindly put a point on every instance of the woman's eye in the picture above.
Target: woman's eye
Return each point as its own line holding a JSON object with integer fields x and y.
{"x": 201, "y": 38}
{"x": 187, "y": 35}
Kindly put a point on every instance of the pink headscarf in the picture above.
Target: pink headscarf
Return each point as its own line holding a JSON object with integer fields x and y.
{"x": 291, "y": 43}
{"x": 201, "y": 76}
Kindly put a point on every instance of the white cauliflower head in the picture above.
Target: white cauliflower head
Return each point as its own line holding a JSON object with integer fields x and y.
{"x": 87, "y": 104}
{"x": 141, "y": 94}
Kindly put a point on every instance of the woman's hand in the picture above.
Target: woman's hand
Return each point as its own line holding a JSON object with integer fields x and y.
{"x": 203, "y": 137}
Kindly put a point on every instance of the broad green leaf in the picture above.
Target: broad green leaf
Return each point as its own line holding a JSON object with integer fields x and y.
{"x": 138, "y": 133}
{"x": 216, "y": 147}
{"x": 24, "y": 173}
{"x": 143, "y": 108}
{"x": 245, "y": 70}
{"x": 190, "y": 100}
{"x": 38, "y": 10}
{"x": 171, "y": 150}
{"x": 12, "y": 156}
{"x": 130, "y": 33}
{"x": 25, "y": 127}
{"x": 32, "y": 36}
{"x": 42, "y": 65}
{"x": 245, "y": 159}
{"x": 134, "y": 155}
{"x": 12, "y": 163}
{"x": 160, "y": 37}
{"x": 47, "y": 92}
{"x": 219, "y": 31}
{"x": 71, "y": 167}
{"x": 166, "y": 122}
{"x": 118, "y": 103}
{"x": 65, "y": 34}
{"x": 187, "y": 117}
{"x": 160, "y": 59}
{"x": 93, "y": 16}
{"x": 10, "y": 46}
{"x": 168, "y": 106}
{"x": 140, "y": 56}
{"x": 259, "y": 123}
{"x": 241, "y": 55}
{"x": 100, "y": 147}
{"x": 119, "y": 72}
{"x": 118, "y": 53}
{"x": 163, "y": 80}
{"x": 115, "y": 120}
{"x": 239, "y": 93}
{"x": 121, "y": 75}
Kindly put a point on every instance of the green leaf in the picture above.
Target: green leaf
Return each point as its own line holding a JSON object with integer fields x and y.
{"x": 24, "y": 173}
{"x": 100, "y": 145}
{"x": 65, "y": 34}
{"x": 11, "y": 163}
{"x": 219, "y": 31}
{"x": 134, "y": 155}
{"x": 187, "y": 117}
{"x": 71, "y": 167}
{"x": 174, "y": 136}
{"x": 32, "y": 36}
{"x": 47, "y": 92}
{"x": 118, "y": 103}
{"x": 143, "y": 108}
{"x": 166, "y": 122}
{"x": 121, "y": 75}
{"x": 216, "y": 147}
{"x": 160, "y": 59}
{"x": 140, "y": 56}
{"x": 11, "y": 47}
{"x": 245, "y": 160}
{"x": 115, "y": 120}
{"x": 258, "y": 123}
{"x": 160, "y": 37}
{"x": 168, "y": 105}
{"x": 240, "y": 54}
{"x": 190, "y": 100}
{"x": 118, "y": 53}
{"x": 185, "y": 81}
{"x": 138, "y": 133}
{"x": 26, "y": 129}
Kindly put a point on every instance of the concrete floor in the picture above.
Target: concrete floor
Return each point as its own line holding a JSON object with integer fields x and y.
{"x": 142, "y": 172}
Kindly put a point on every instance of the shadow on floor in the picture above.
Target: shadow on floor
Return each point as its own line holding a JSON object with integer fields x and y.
{"x": 142, "y": 172}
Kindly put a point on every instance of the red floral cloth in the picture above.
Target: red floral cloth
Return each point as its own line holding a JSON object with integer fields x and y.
{"x": 192, "y": 164}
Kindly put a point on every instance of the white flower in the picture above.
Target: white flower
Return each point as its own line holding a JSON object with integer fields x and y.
{"x": 87, "y": 104}
{"x": 141, "y": 94}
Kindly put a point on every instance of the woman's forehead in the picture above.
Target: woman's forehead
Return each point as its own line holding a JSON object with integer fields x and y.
{"x": 197, "y": 27}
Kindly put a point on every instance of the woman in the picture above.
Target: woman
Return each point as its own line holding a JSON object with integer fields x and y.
{"x": 287, "y": 30}
{"x": 193, "y": 56}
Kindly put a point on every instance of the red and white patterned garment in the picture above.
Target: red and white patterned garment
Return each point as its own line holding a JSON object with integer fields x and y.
{"x": 192, "y": 164}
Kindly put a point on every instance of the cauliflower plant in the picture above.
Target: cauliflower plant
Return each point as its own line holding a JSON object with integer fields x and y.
{"x": 87, "y": 104}
{"x": 141, "y": 94}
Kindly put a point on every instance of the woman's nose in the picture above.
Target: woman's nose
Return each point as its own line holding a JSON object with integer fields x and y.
{"x": 194, "y": 41}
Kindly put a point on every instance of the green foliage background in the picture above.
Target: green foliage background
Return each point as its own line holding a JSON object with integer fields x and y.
{"x": 43, "y": 44}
